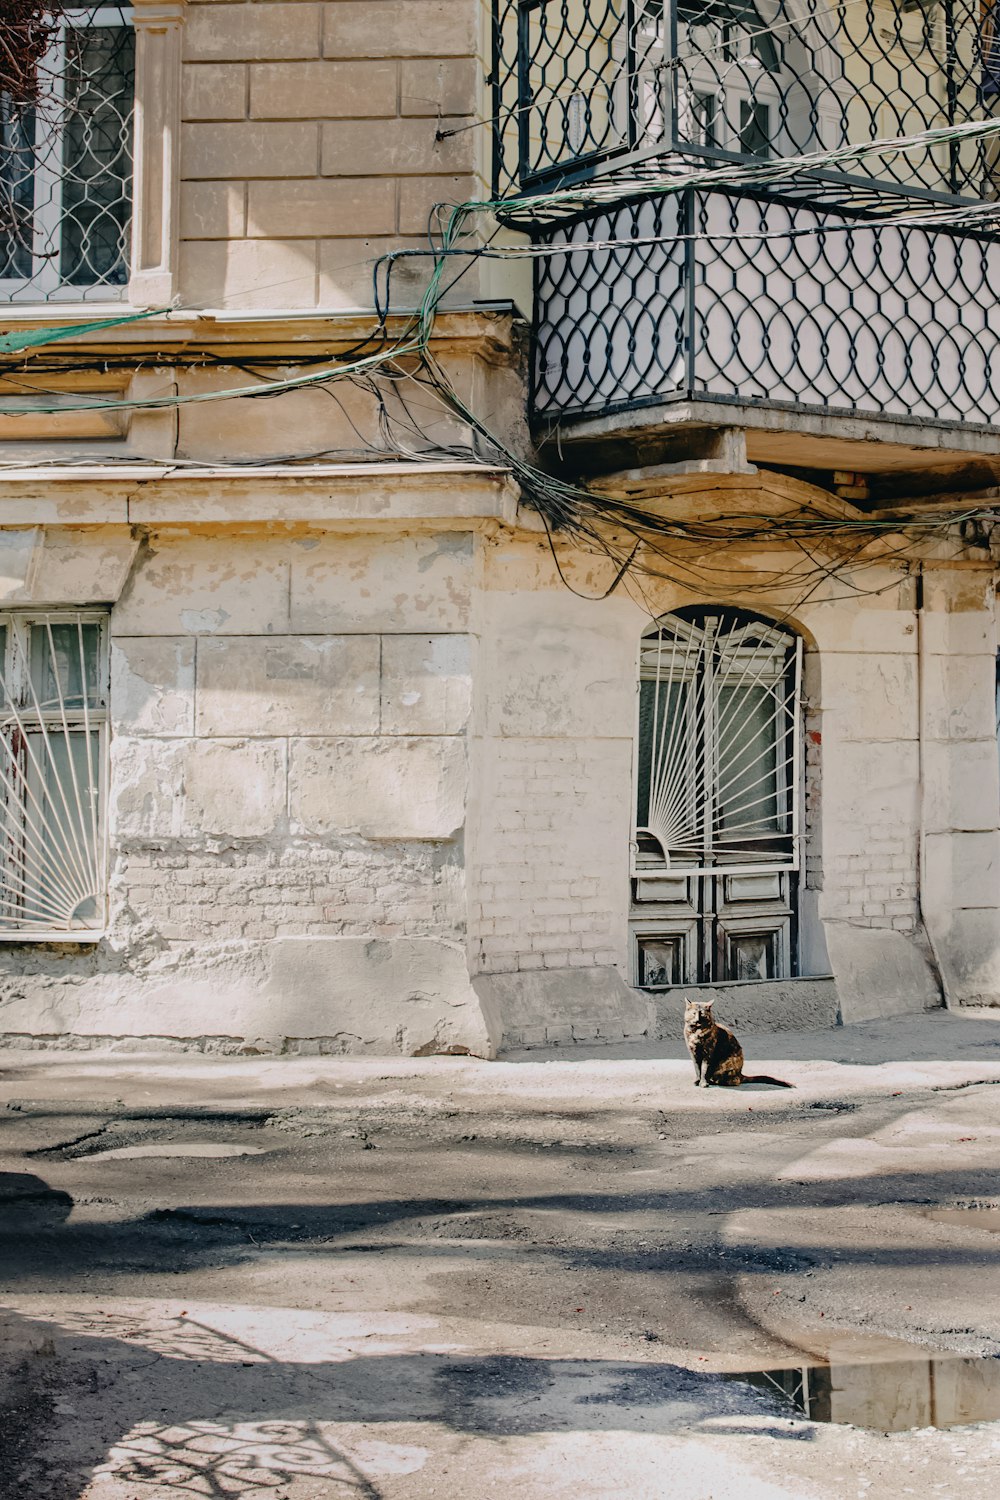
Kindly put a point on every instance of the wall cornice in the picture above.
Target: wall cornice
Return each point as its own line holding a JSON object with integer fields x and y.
{"x": 487, "y": 331}
{"x": 377, "y": 496}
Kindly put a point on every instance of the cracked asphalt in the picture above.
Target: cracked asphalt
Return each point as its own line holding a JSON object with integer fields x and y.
{"x": 296, "y": 1279}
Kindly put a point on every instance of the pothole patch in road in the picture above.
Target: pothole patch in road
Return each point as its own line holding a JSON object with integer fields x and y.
{"x": 176, "y": 1148}
{"x": 151, "y": 1128}
{"x": 967, "y": 1216}
{"x": 894, "y": 1395}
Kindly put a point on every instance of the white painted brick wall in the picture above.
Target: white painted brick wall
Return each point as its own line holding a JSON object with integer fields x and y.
{"x": 303, "y": 890}
{"x": 876, "y": 887}
{"x": 547, "y": 896}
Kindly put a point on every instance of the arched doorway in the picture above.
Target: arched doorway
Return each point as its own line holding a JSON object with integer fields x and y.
{"x": 716, "y": 840}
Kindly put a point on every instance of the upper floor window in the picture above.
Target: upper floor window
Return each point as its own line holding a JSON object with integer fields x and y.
{"x": 66, "y": 164}
{"x": 584, "y": 83}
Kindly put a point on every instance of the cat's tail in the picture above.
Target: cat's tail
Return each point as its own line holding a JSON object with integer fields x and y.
{"x": 779, "y": 1083}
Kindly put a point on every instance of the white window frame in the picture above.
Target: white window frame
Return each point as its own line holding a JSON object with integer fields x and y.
{"x": 155, "y": 229}
{"x": 734, "y": 84}
{"x": 44, "y": 283}
{"x": 80, "y": 812}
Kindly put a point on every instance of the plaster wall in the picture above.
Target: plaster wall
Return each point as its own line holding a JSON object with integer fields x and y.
{"x": 552, "y": 783}
{"x": 960, "y": 845}
{"x": 372, "y": 791}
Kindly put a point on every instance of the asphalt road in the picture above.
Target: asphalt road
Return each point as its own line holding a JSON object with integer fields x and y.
{"x": 313, "y": 1278}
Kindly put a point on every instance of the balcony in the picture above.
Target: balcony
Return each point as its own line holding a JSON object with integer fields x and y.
{"x": 781, "y": 304}
{"x": 682, "y": 276}
{"x": 636, "y": 88}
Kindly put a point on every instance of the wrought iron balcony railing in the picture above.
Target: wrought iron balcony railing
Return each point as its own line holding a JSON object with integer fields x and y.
{"x": 744, "y": 298}
{"x": 584, "y": 87}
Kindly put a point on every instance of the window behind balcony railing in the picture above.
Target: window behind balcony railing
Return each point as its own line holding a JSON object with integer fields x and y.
{"x": 66, "y": 165}
{"x": 591, "y": 85}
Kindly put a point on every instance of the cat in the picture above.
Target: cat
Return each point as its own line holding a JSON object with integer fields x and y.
{"x": 717, "y": 1055}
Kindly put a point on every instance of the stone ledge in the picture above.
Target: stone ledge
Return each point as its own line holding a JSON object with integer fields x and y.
{"x": 327, "y": 496}
{"x": 380, "y": 997}
{"x": 486, "y": 327}
{"x": 591, "y": 1007}
{"x": 549, "y": 1007}
{"x": 775, "y": 1005}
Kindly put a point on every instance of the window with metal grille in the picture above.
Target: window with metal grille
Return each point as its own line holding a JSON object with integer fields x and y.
{"x": 53, "y": 774}
{"x": 716, "y": 840}
{"x": 718, "y": 731}
{"x": 66, "y": 165}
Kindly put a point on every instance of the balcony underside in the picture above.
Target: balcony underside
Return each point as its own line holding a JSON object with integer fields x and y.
{"x": 695, "y": 436}
{"x": 819, "y": 332}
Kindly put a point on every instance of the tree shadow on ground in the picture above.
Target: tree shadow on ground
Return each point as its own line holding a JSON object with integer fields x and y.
{"x": 168, "y": 1402}
{"x": 41, "y": 1246}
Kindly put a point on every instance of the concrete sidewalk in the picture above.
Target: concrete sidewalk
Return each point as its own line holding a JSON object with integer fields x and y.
{"x": 935, "y": 1048}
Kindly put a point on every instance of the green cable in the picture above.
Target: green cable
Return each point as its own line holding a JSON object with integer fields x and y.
{"x": 12, "y": 343}
{"x": 415, "y": 339}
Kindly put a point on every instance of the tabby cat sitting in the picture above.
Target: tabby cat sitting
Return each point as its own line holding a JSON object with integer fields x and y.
{"x": 717, "y": 1055}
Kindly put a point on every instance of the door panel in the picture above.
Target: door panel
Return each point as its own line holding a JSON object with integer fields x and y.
{"x": 715, "y": 848}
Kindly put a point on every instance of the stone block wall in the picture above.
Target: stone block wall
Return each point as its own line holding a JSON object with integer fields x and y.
{"x": 314, "y": 141}
{"x": 373, "y": 791}
{"x": 288, "y": 740}
{"x": 289, "y": 777}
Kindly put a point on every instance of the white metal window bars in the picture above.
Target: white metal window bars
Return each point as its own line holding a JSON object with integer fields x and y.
{"x": 53, "y": 775}
{"x": 793, "y": 1384}
{"x": 66, "y": 166}
{"x": 718, "y": 746}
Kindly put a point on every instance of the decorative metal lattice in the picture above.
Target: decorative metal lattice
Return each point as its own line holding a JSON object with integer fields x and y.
{"x": 66, "y": 165}
{"x": 771, "y": 302}
{"x": 716, "y": 780}
{"x": 599, "y": 85}
{"x": 53, "y": 777}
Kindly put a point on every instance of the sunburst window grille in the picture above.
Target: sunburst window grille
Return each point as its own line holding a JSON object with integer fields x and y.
{"x": 66, "y": 165}
{"x": 53, "y": 775}
{"x": 718, "y": 745}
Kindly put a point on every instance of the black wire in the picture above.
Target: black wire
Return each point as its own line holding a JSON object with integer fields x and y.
{"x": 579, "y": 516}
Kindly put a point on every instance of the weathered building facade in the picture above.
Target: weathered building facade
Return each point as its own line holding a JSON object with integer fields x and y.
{"x": 324, "y": 729}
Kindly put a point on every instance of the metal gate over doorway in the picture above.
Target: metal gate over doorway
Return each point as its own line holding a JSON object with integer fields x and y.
{"x": 715, "y": 852}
